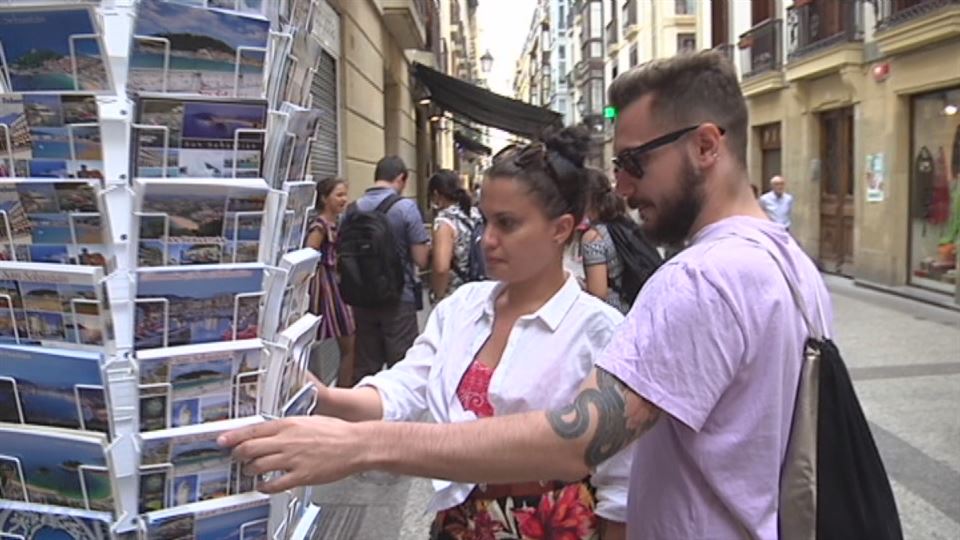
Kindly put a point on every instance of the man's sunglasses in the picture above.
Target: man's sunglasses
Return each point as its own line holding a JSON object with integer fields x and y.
{"x": 630, "y": 160}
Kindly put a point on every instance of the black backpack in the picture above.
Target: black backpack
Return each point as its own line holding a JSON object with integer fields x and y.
{"x": 476, "y": 264}
{"x": 640, "y": 258}
{"x": 369, "y": 263}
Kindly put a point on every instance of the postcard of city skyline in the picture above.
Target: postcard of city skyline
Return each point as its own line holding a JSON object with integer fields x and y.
{"x": 36, "y": 44}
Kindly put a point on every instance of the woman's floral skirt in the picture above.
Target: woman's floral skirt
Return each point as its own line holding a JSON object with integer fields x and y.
{"x": 564, "y": 514}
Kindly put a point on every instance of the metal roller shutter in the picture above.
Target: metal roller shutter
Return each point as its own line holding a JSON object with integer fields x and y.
{"x": 324, "y": 156}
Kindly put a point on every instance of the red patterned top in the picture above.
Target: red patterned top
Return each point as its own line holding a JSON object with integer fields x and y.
{"x": 474, "y": 387}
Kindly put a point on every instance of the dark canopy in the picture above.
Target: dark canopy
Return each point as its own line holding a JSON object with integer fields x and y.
{"x": 470, "y": 143}
{"x": 485, "y": 107}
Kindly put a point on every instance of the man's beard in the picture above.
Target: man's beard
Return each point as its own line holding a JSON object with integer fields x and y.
{"x": 675, "y": 216}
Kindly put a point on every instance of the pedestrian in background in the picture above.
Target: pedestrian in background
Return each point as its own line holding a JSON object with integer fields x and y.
{"x": 325, "y": 299}
{"x": 777, "y": 203}
{"x": 386, "y": 328}
{"x": 453, "y": 227}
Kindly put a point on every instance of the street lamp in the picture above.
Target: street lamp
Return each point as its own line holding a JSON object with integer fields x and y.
{"x": 486, "y": 62}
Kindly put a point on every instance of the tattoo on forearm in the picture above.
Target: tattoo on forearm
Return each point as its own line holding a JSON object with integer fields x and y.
{"x": 615, "y": 426}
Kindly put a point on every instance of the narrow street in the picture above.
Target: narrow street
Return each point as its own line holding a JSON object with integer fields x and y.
{"x": 904, "y": 357}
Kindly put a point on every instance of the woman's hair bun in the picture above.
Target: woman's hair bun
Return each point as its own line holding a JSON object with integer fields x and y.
{"x": 572, "y": 143}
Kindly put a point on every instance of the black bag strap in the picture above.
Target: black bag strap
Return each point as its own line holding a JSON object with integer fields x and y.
{"x": 387, "y": 203}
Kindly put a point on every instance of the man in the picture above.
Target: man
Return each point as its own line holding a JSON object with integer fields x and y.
{"x": 703, "y": 372}
{"x": 776, "y": 203}
{"x": 385, "y": 333}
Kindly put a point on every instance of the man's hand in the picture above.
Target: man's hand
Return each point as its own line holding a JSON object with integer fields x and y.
{"x": 308, "y": 450}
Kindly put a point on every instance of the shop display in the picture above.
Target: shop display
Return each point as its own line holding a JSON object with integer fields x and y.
{"x": 152, "y": 282}
{"x": 935, "y": 191}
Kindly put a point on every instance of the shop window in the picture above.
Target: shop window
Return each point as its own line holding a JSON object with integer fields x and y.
{"x": 935, "y": 190}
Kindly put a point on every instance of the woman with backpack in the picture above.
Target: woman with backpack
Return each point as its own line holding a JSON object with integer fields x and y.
{"x": 453, "y": 228}
{"x": 617, "y": 259}
{"x": 325, "y": 300}
{"x": 523, "y": 341}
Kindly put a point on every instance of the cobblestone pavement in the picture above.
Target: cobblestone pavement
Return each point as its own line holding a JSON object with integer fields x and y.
{"x": 904, "y": 357}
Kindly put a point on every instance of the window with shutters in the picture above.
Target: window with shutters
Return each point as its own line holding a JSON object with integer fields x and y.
{"x": 325, "y": 153}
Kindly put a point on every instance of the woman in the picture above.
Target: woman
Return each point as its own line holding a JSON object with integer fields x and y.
{"x": 325, "y": 297}
{"x": 603, "y": 267}
{"x": 452, "y": 228}
{"x": 524, "y": 342}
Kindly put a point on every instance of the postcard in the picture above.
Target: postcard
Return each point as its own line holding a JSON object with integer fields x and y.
{"x": 199, "y": 305}
{"x": 53, "y": 304}
{"x": 56, "y": 49}
{"x": 186, "y": 465}
{"x": 41, "y": 521}
{"x": 289, "y": 290}
{"x": 289, "y": 362}
{"x": 201, "y": 383}
{"x": 50, "y": 136}
{"x": 287, "y": 153}
{"x": 57, "y": 467}
{"x": 238, "y": 517}
{"x": 247, "y": 7}
{"x": 202, "y": 139}
{"x": 302, "y": 403}
{"x": 52, "y": 387}
{"x": 55, "y": 221}
{"x": 207, "y": 51}
{"x": 301, "y": 198}
{"x": 200, "y": 221}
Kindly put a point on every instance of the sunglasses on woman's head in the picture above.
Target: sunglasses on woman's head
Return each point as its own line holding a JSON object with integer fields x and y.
{"x": 630, "y": 160}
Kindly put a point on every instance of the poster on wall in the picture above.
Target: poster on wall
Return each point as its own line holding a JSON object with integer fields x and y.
{"x": 876, "y": 180}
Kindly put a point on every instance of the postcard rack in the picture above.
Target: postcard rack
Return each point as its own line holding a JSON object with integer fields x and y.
{"x": 83, "y": 101}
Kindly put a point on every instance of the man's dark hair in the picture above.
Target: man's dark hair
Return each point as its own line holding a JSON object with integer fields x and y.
{"x": 689, "y": 89}
{"x": 389, "y": 168}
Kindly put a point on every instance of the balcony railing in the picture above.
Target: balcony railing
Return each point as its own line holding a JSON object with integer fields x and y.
{"x": 761, "y": 48}
{"x": 895, "y": 12}
{"x": 814, "y": 25}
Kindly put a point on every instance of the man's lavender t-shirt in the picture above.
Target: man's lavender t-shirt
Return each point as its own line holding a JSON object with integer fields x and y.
{"x": 715, "y": 341}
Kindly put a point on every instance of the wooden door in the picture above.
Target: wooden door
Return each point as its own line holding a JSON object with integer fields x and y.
{"x": 770, "y": 154}
{"x": 836, "y": 191}
{"x": 762, "y": 10}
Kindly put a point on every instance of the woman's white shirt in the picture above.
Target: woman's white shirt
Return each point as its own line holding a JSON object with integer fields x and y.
{"x": 547, "y": 357}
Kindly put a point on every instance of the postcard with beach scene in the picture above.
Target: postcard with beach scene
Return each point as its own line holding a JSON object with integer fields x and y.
{"x": 186, "y": 465}
{"x": 238, "y": 517}
{"x": 53, "y": 49}
{"x": 202, "y": 383}
{"x": 201, "y": 138}
{"x": 42, "y": 522}
{"x": 198, "y": 305}
{"x": 52, "y": 221}
{"x": 193, "y": 222}
{"x": 52, "y": 387}
{"x": 207, "y": 51}
{"x": 55, "y": 467}
{"x": 53, "y": 304}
